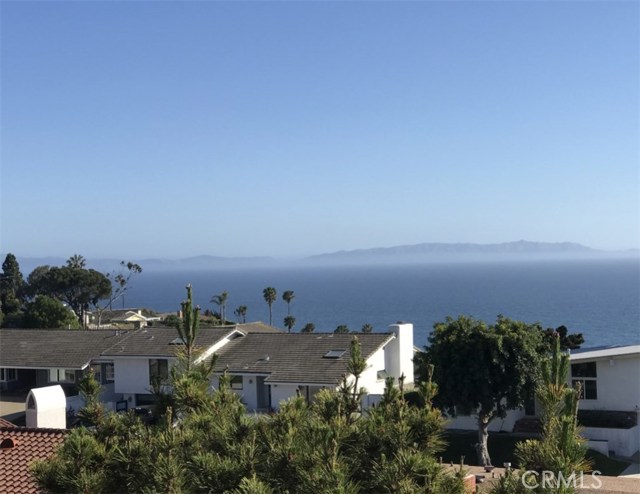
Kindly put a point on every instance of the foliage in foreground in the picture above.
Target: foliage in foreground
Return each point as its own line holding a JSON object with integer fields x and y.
{"x": 207, "y": 443}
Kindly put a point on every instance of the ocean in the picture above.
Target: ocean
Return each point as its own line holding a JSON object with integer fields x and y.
{"x": 599, "y": 298}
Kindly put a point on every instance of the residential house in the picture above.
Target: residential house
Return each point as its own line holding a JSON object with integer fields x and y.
{"x": 609, "y": 378}
{"x": 266, "y": 369}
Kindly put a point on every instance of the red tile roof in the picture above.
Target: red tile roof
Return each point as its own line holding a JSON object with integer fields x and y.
{"x": 19, "y": 448}
{"x": 6, "y": 423}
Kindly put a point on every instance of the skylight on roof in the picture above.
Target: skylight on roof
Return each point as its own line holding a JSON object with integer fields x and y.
{"x": 334, "y": 354}
{"x": 177, "y": 341}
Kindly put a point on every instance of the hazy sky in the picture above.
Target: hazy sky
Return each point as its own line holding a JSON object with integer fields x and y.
{"x": 289, "y": 128}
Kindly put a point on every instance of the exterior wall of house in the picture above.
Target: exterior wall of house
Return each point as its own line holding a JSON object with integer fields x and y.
{"x": 131, "y": 375}
{"x": 618, "y": 385}
{"x": 622, "y": 442}
{"x": 470, "y": 422}
{"x": 369, "y": 378}
{"x": 281, "y": 392}
{"x": 249, "y": 392}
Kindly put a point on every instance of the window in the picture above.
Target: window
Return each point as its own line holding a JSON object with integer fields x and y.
{"x": 158, "y": 370}
{"x": 109, "y": 373}
{"x": 334, "y": 354}
{"x": 586, "y": 369}
{"x": 236, "y": 382}
{"x": 587, "y": 372}
{"x": 382, "y": 375}
{"x": 8, "y": 375}
{"x": 588, "y": 388}
{"x": 62, "y": 375}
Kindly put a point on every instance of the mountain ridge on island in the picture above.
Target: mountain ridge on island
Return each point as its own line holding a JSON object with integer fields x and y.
{"x": 401, "y": 254}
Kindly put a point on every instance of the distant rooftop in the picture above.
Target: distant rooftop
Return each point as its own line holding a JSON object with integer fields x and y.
{"x": 296, "y": 357}
{"x": 604, "y": 351}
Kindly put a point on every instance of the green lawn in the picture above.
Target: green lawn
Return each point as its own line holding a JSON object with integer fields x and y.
{"x": 501, "y": 448}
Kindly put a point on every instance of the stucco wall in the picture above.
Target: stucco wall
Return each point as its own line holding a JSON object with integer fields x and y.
{"x": 281, "y": 392}
{"x": 470, "y": 422}
{"x": 618, "y": 384}
{"x": 131, "y": 375}
{"x": 624, "y": 442}
{"x": 369, "y": 378}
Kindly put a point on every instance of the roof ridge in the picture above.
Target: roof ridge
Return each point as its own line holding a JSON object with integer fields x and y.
{"x": 44, "y": 430}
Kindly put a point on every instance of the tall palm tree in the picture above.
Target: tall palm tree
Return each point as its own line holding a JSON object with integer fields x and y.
{"x": 221, "y": 301}
{"x": 241, "y": 313}
{"x": 288, "y": 296}
{"x": 76, "y": 261}
{"x": 289, "y": 322}
{"x": 270, "y": 294}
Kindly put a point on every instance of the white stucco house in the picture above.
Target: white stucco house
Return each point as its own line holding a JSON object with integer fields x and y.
{"x": 610, "y": 382}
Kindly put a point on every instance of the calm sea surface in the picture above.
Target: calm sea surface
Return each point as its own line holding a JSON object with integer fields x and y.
{"x": 599, "y": 298}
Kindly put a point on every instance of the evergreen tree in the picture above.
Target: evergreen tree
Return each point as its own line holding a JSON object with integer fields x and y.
{"x": 11, "y": 286}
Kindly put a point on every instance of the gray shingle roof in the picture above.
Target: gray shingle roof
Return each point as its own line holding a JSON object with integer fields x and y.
{"x": 47, "y": 348}
{"x": 296, "y": 357}
{"x": 151, "y": 341}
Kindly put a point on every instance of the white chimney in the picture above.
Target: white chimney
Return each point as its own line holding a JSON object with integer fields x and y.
{"x": 46, "y": 408}
{"x": 398, "y": 355}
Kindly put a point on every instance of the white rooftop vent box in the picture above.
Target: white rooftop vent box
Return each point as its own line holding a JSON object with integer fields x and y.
{"x": 46, "y": 408}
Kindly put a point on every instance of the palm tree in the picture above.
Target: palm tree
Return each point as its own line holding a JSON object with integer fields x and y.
{"x": 341, "y": 329}
{"x": 241, "y": 313}
{"x": 308, "y": 328}
{"x": 367, "y": 328}
{"x": 270, "y": 296}
{"x": 76, "y": 261}
{"x": 221, "y": 301}
{"x": 289, "y": 322}
{"x": 288, "y": 296}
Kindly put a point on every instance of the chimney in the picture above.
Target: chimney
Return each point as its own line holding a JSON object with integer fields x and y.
{"x": 398, "y": 356}
{"x": 47, "y": 408}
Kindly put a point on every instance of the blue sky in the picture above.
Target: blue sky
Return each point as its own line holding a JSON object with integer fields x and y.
{"x": 290, "y": 128}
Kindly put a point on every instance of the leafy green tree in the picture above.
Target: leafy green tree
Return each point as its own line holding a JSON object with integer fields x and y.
{"x": 288, "y": 297}
{"x": 11, "y": 286}
{"x": 79, "y": 288}
{"x": 342, "y": 328}
{"x": 484, "y": 370}
{"x": 289, "y": 322}
{"x": 367, "y": 328}
{"x": 567, "y": 341}
{"x": 48, "y": 313}
{"x": 241, "y": 313}
{"x": 270, "y": 295}
{"x": 308, "y": 328}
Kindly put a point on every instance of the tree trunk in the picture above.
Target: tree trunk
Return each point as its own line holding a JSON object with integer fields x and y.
{"x": 483, "y": 436}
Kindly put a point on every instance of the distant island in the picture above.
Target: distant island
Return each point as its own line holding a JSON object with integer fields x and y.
{"x": 401, "y": 254}
{"x": 430, "y": 252}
